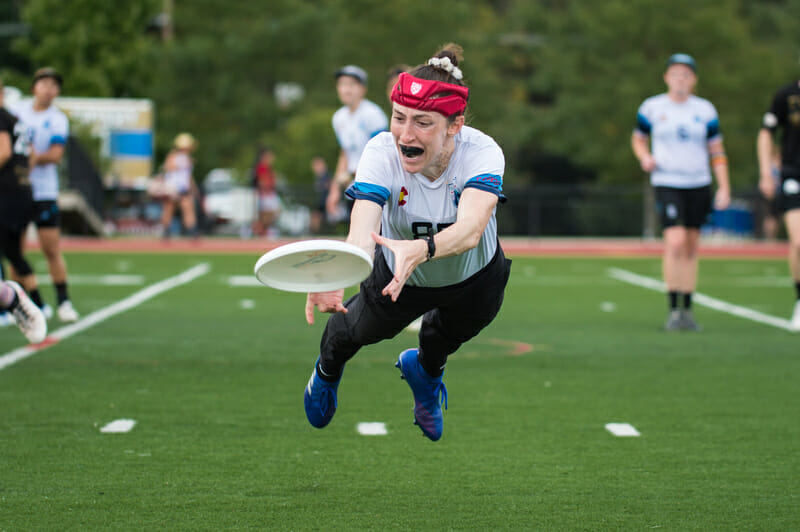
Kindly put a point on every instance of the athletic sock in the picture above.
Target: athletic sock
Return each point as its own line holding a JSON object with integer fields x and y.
{"x": 36, "y": 297}
{"x": 687, "y": 300}
{"x": 433, "y": 368}
{"x": 797, "y": 288}
{"x": 328, "y": 374}
{"x": 673, "y": 299}
{"x": 61, "y": 292}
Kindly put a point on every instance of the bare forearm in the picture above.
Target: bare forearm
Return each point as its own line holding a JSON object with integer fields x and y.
{"x": 51, "y": 156}
{"x": 765, "y": 147}
{"x": 364, "y": 219}
{"x": 640, "y": 146}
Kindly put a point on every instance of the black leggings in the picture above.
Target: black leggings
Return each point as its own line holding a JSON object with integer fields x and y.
{"x": 452, "y": 314}
{"x": 11, "y": 248}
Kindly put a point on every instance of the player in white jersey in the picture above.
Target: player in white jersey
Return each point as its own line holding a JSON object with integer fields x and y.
{"x": 48, "y": 129}
{"x": 683, "y": 130}
{"x": 355, "y": 123}
{"x": 426, "y": 193}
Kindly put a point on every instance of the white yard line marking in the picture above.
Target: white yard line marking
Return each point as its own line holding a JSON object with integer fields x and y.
{"x": 118, "y": 426}
{"x": 103, "y": 314}
{"x": 105, "y": 280}
{"x": 622, "y": 429}
{"x": 243, "y": 280}
{"x": 247, "y": 304}
{"x": 702, "y": 299}
{"x": 608, "y": 306}
{"x": 372, "y": 429}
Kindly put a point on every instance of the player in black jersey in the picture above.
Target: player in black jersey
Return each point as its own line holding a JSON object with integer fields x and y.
{"x": 16, "y": 209}
{"x": 784, "y": 114}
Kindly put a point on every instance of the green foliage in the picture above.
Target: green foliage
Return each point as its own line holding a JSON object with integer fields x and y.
{"x": 551, "y": 80}
{"x": 100, "y": 47}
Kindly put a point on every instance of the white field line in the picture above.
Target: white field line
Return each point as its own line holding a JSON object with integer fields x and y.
{"x": 622, "y": 430}
{"x": 119, "y": 426}
{"x": 243, "y": 280}
{"x": 702, "y": 299}
{"x": 114, "y": 279}
{"x": 372, "y": 428}
{"x": 103, "y": 314}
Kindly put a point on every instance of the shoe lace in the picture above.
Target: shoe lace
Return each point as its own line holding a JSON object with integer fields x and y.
{"x": 440, "y": 393}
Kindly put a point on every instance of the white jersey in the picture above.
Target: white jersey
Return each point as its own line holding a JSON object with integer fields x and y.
{"x": 44, "y": 128}
{"x": 179, "y": 179}
{"x": 680, "y": 134}
{"x": 414, "y": 206}
{"x": 354, "y": 129}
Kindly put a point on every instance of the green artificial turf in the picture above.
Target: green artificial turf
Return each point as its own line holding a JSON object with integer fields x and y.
{"x": 221, "y": 441}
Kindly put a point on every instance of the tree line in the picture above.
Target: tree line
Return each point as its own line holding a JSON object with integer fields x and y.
{"x": 556, "y": 82}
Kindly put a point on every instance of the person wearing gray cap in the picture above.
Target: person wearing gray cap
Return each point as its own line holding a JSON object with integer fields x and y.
{"x": 684, "y": 133}
{"x": 355, "y": 123}
{"x": 48, "y": 129}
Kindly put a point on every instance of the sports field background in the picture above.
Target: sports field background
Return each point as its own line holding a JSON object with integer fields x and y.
{"x": 213, "y": 370}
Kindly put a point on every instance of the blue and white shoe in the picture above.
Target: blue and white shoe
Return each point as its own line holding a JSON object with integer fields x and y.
{"x": 320, "y": 399}
{"x": 429, "y": 394}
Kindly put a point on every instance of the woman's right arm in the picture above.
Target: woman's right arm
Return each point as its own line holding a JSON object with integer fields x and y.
{"x": 364, "y": 219}
{"x": 640, "y": 143}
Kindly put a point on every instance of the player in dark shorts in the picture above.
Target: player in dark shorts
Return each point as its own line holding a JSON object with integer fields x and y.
{"x": 784, "y": 114}
{"x": 16, "y": 198}
{"x": 677, "y": 134}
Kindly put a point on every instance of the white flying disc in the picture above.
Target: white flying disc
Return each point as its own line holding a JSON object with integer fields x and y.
{"x": 313, "y": 266}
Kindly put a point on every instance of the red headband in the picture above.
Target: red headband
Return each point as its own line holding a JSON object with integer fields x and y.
{"x": 418, "y": 94}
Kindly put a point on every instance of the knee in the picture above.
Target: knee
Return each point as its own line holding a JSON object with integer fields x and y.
{"x": 675, "y": 249}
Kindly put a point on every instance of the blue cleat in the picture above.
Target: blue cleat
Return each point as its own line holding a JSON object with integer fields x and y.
{"x": 320, "y": 399}
{"x": 427, "y": 392}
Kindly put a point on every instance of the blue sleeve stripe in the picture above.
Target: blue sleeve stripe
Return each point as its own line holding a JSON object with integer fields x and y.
{"x": 368, "y": 191}
{"x": 57, "y": 139}
{"x": 489, "y": 180}
{"x": 378, "y": 132}
{"x": 713, "y": 128}
{"x": 642, "y": 124}
{"x": 486, "y": 188}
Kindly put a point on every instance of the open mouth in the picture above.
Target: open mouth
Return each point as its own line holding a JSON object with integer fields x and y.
{"x": 412, "y": 152}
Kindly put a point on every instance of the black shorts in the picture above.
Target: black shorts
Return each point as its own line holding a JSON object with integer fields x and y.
{"x": 686, "y": 207}
{"x": 46, "y": 214}
{"x": 788, "y": 194}
{"x": 452, "y": 314}
{"x": 16, "y": 209}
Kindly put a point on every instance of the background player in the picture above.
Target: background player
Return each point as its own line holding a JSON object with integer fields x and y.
{"x": 48, "y": 128}
{"x": 784, "y": 114}
{"x": 684, "y": 131}
{"x": 357, "y": 121}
